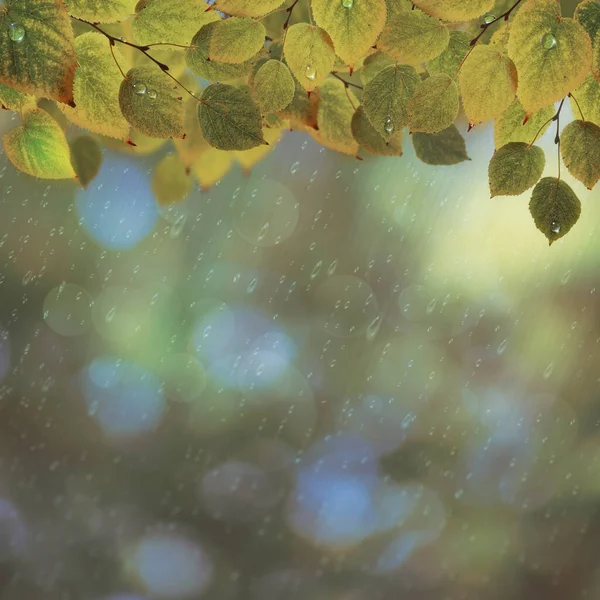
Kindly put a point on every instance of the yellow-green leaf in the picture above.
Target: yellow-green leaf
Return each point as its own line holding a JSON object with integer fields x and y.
{"x": 587, "y": 14}
{"x": 86, "y": 158}
{"x": 373, "y": 64}
{"x": 236, "y": 40}
{"x": 580, "y": 151}
{"x": 197, "y": 59}
{"x": 171, "y": 180}
{"x": 15, "y": 100}
{"x": 588, "y": 97}
{"x": 309, "y": 53}
{"x": 552, "y": 55}
{"x": 302, "y": 110}
{"x": 193, "y": 145}
{"x": 488, "y": 82}
{"x": 36, "y": 48}
{"x": 247, "y": 8}
{"x": 274, "y": 86}
{"x": 353, "y": 29}
{"x": 386, "y": 97}
{"x": 101, "y": 11}
{"x": 212, "y": 166}
{"x": 555, "y": 208}
{"x": 371, "y": 140}
{"x": 152, "y": 103}
{"x": 513, "y": 125}
{"x": 172, "y": 21}
{"x": 451, "y": 58}
{"x": 39, "y": 147}
{"x": 444, "y": 148}
{"x": 434, "y": 105}
{"x": 395, "y": 7}
{"x": 455, "y": 10}
{"x": 414, "y": 37}
{"x": 515, "y": 168}
{"x": 96, "y": 88}
{"x": 229, "y": 118}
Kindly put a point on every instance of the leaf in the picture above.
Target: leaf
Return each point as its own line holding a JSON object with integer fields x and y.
{"x": 302, "y": 110}
{"x": 413, "y": 37}
{"x": 371, "y": 140}
{"x": 15, "y": 100}
{"x": 172, "y": 21}
{"x": 248, "y": 158}
{"x": 236, "y": 40}
{"x": 229, "y": 118}
{"x": 309, "y": 53}
{"x": 588, "y": 97}
{"x": 152, "y": 102}
{"x": 555, "y": 208}
{"x": 587, "y": 14}
{"x": 513, "y": 125}
{"x": 86, "y": 158}
{"x": 451, "y": 58}
{"x": 434, "y": 105}
{"x": 455, "y": 10}
{"x": 386, "y": 97}
{"x": 515, "y": 168}
{"x": 552, "y": 55}
{"x": 39, "y": 147}
{"x": 197, "y": 59}
{"x": 212, "y": 166}
{"x": 101, "y": 11}
{"x": 373, "y": 64}
{"x": 96, "y": 88}
{"x": 41, "y": 59}
{"x": 396, "y": 7}
{"x": 171, "y": 180}
{"x": 580, "y": 151}
{"x": 353, "y": 30}
{"x": 247, "y": 8}
{"x": 444, "y": 148}
{"x": 193, "y": 145}
{"x": 274, "y": 86}
{"x": 488, "y": 82}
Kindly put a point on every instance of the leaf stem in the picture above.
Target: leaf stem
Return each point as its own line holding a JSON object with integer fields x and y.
{"x": 578, "y": 107}
{"x": 505, "y": 16}
{"x": 557, "y": 136}
{"x": 347, "y": 84}
{"x": 554, "y": 118}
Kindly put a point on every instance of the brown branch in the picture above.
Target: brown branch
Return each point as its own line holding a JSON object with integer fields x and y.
{"x": 346, "y": 83}
{"x": 505, "y": 16}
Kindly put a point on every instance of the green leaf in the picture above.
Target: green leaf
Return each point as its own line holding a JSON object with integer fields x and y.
{"x": 36, "y": 48}
{"x": 555, "y": 208}
{"x": 236, "y": 40}
{"x": 552, "y": 55}
{"x": 39, "y": 147}
{"x": 247, "y": 8}
{"x": 152, "y": 102}
{"x": 171, "y": 180}
{"x": 451, "y": 58}
{"x": 386, "y": 97}
{"x": 229, "y": 118}
{"x": 513, "y": 125}
{"x": 371, "y": 140}
{"x": 274, "y": 86}
{"x": 587, "y": 14}
{"x": 515, "y": 168}
{"x": 197, "y": 59}
{"x": 86, "y": 158}
{"x": 455, "y": 10}
{"x": 580, "y": 151}
{"x": 354, "y": 29}
{"x": 444, "y": 148}
{"x": 373, "y": 64}
{"x": 488, "y": 83}
{"x": 434, "y": 106}
{"x": 309, "y": 53}
{"x": 172, "y": 21}
{"x": 96, "y": 88}
{"x": 395, "y": 7}
{"x": 414, "y": 37}
{"x": 588, "y": 97}
{"x": 15, "y": 100}
{"x": 101, "y": 11}
{"x": 193, "y": 145}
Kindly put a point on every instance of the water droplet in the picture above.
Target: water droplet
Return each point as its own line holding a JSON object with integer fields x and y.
{"x": 373, "y": 327}
{"x": 316, "y": 270}
{"x": 502, "y": 346}
{"x": 548, "y": 41}
{"x": 347, "y": 3}
{"x": 140, "y": 88}
{"x": 294, "y": 167}
{"x": 263, "y": 231}
{"x": 332, "y": 267}
{"x": 177, "y": 227}
{"x": 555, "y": 226}
{"x": 152, "y": 94}
{"x": 16, "y": 32}
{"x": 489, "y": 18}
{"x": 311, "y": 73}
{"x": 110, "y": 315}
{"x": 252, "y": 286}
{"x": 548, "y": 371}
{"x": 389, "y": 126}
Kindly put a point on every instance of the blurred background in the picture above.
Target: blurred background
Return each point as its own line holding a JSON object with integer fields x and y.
{"x": 321, "y": 379}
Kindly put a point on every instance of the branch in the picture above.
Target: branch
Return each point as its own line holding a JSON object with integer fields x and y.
{"x": 346, "y": 83}
{"x": 554, "y": 118}
{"x": 504, "y": 16}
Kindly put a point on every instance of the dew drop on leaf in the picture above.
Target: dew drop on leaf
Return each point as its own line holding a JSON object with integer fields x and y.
{"x": 16, "y": 32}
{"x": 555, "y": 226}
{"x": 548, "y": 41}
{"x": 140, "y": 88}
{"x": 311, "y": 73}
{"x": 152, "y": 94}
{"x": 347, "y": 3}
{"x": 389, "y": 126}
{"x": 489, "y": 18}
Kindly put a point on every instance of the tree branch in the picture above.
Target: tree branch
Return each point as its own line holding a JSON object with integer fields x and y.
{"x": 504, "y": 16}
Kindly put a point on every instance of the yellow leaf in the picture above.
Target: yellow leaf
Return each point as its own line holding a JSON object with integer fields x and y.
{"x": 588, "y": 97}
{"x": 36, "y": 48}
{"x": 488, "y": 82}
{"x": 371, "y": 140}
{"x": 86, "y": 158}
{"x": 434, "y": 105}
{"x": 513, "y": 125}
{"x": 373, "y": 64}
{"x": 171, "y": 180}
{"x": 236, "y": 40}
{"x": 302, "y": 110}
{"x": 580, "y": 151}
{"x": 15, "y": 100}
{"x": 552, "y": 55}
{"x": 452, "y": 57}
{"x": 247, "y": 8}
{"x": 353, "y": 29}
{"x": 308, "y": 51}
{"x": 587, "y": 14}
{"x": 274, "y": 86}
{"x": 212, "y": 166}
{"x": 39, "y": 147}
{"x": 193, "y": 145}
{"x": 101, "y": 11}
{"x": 455, "y": 10}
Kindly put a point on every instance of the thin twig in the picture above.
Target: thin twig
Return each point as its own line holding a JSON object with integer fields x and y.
{"x": 557, "y": 136}
{"x": 554, "y": 118}
{"x": 346, "y": 83}
{"x": 112, "y": 51}
{"x": 578, "y": 107}
{"x": 505, "y": 16}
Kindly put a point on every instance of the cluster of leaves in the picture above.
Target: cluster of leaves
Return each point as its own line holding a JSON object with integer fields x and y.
{"x": 223, "y": 79}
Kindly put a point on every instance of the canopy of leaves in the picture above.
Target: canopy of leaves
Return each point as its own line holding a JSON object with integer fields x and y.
{"x": 515, "y": 168}
{"x": 580, "y": 151}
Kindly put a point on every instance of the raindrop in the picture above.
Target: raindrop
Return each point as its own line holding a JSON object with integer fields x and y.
{"x": 316, "y": 270}
{"x": 16, "y": 32}
{"x": 548, "y": 41}
{"x": 177, "y": 227}
{"x": 252, "y": 286}
{"x": 389, "y": 126}
{"x": 431, "y": 306}
{"x": 263, "y": 231}
{"x": 110, "y": 315}
{"x": 548, "y": 371}
{"x": 555, "y": 226}
{"x": 332, "y": 267}
{"x": 489, "y": 18}
{"x": 502, "y": 346}
{"x": 140, "y": 88}
{"x": 347, "y": 3}
{"x": 294, "y": 167}
{"x": 152, "y": 94}
{"x": 373, "y": 327}
{"x": 311, "y": 73}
